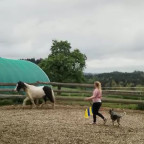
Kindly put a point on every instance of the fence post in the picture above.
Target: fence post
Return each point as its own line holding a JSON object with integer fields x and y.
{"x": 59, "y": 89}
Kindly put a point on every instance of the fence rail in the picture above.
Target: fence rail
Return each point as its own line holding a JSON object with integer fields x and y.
{"x": 126, "y": 91}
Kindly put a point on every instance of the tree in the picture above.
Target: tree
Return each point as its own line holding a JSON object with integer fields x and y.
{"x": 63, "y": 65}
{"x": 33, "y": 60}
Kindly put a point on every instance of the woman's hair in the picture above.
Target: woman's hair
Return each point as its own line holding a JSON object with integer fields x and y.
{"x": 98, "y": 85}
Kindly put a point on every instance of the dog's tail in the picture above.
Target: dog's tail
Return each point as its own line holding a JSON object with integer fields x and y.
{"x": 124, "y": 113}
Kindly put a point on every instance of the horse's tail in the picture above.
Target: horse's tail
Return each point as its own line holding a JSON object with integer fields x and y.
{"x": 49, "y": 93}
{"x": 53, "y": 96}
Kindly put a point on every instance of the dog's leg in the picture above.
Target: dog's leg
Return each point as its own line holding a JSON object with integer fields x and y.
{"x": 118, "y": 121}
{"x": 113, "y": 122}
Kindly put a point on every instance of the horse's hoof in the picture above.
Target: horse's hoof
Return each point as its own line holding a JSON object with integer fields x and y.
{"x": 41, "y": 106}
{"x": 33, "y": 107}
{"x": 23, "y": 107}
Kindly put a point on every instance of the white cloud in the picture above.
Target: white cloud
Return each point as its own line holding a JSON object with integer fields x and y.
{"x": 110, "y": 33}
{"x": 115, "y": 64}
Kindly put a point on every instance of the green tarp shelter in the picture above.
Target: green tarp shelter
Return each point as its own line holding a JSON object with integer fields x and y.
{"x": 12, "y": 71}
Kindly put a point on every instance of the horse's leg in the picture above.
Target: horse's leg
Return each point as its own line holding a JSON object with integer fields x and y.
{"x": 31, "y": 99}
{"x": 37, "y": 101}
{"x": 42, "y": 103}
{"x": 25, "y": 100}
{"x": 33, "y": 103}
{"x": 53, "y": 105}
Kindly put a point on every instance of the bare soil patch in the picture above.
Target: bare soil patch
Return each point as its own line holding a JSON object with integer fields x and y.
{"x": 66, "y": 125}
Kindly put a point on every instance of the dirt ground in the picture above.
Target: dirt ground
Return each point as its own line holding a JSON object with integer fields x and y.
{"x": 67, "y": 125}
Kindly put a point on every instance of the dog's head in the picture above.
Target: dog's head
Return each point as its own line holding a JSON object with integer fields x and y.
{"x": 111, "y": 111}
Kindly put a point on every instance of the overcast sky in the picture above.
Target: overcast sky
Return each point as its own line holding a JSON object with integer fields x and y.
{"x": 109, "y": 32}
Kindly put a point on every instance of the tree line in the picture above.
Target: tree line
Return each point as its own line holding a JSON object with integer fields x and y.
{"x": 118, "y": 79}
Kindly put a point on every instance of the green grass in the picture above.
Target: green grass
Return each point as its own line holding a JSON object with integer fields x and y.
{"x": 108, "y": 105}
{"x": 16, "y": 101}
{"x": 83, "y": 103}
{"x": 6, "y": 102}
{"x": 74, "y": 95}
{"x": 121, "y": 106}
{"x": 126, "y": 97}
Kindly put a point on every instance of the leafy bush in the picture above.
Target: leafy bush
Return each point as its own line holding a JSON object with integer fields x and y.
{"x": 140, "y": 107}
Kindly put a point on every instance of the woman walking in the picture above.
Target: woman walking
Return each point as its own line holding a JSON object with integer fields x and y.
{"x": 97, "y": 102}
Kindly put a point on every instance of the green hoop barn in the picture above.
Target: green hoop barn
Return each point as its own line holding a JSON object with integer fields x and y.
{"x": 12, "y": 71}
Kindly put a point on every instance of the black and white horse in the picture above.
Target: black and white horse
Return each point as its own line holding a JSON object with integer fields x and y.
{"x": 36, "y": 92}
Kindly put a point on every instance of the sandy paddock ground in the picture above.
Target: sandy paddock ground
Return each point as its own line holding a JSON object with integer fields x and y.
{"x": 67, "y": 125}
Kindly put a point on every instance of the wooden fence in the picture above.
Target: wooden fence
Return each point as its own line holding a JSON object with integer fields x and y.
{"x": 78, "y": 89}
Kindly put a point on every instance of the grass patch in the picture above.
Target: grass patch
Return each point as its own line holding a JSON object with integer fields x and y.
{"x": 121, "y": 106}
{"x": 109, "y": 105}
{"x": 10, "y": 101}
{"x": 17, "y": 100}
{"x": 125, "y": 97}
{"x": 74, "y": 95}
{"x": 66, "y": 102}
{"x": 6, "y": 102}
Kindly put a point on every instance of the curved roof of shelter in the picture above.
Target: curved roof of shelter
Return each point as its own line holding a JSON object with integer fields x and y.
{"x": 12, "y": 71}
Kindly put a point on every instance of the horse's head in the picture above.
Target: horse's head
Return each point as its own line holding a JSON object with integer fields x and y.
{"x": 20, "y": 85}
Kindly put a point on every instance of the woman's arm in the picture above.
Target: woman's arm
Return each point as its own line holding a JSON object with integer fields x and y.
{"x": 93, "y": 96}
{"x": 89, "y": 98}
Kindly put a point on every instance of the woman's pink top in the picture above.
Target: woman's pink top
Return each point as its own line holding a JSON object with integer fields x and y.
{"x": 97, "y": 94}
